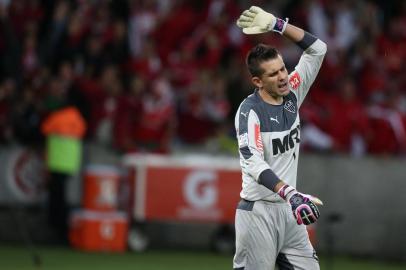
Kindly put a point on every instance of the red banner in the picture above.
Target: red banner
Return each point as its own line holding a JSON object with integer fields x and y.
{"x": 189, "y": 194}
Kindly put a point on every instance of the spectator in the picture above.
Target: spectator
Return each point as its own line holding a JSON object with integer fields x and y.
{"x": 155, "y": 129}
{"x": 143, "y": 21}
{"x": 7, "y": 91}
{"x": 347, "y": 123}
{"x": 26, "y": 117}
{"x": 128, "y": 115}
{"x": 103, "y": 100}
{"x": 195, "y": 123}
{"x": 388, "y": 125}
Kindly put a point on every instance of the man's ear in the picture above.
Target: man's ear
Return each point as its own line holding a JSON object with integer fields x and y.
{"x": 257, "y": 82}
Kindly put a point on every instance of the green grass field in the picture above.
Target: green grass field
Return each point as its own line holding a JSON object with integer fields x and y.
{"x": 56, "y": 258}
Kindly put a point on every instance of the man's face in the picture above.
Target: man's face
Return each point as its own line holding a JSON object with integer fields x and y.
{"x": 274, "y": 80}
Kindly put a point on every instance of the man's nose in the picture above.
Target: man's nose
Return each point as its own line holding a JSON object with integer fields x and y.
{"x": 281, "y": 76}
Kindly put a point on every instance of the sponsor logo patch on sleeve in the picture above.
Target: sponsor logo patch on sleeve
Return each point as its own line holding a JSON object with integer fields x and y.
{"x": 243, "y": 140}
{"x": 295, "y": 80}
{"x": 258, "y": 139}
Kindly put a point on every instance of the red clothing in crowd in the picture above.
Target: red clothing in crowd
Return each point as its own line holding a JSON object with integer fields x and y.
{"x": 346, "y": 118}
{"x": 388, "y": 131}
{"x": 145, "y": 122}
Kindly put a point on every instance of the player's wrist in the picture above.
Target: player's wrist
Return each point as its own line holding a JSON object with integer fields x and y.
{"x": 279, "y": 25}
{"x": 286, "y": 192}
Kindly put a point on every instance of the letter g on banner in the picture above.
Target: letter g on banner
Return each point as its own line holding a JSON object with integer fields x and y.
{"x": 200, "y": 189}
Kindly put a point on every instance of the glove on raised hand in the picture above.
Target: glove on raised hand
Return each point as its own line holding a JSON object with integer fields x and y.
{"x": 256, "y": 21}
{"x": 303, "y": 206}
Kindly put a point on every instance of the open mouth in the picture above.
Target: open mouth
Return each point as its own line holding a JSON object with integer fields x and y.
{"x": 283, "y": 86}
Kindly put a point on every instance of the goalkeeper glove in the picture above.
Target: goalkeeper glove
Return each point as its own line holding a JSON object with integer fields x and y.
{"x": 303, "y": 206}
{"x": 256, "y": 21}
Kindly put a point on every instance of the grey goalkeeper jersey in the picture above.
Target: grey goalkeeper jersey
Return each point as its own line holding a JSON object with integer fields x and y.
{"x": 269, "y": 135}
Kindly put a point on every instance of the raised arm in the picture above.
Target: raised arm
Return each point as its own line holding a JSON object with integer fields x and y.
{"x": 256, "y": 21}
{"x": 293, "y": 33}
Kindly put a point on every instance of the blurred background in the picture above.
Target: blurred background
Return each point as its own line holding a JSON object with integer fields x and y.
{"x": 117, "y": 130}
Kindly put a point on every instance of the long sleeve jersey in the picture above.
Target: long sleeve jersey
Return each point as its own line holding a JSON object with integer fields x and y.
{"x": 269, "y": 135}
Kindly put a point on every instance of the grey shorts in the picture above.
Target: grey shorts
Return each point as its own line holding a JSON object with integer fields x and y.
{"x": 268, "y": 237}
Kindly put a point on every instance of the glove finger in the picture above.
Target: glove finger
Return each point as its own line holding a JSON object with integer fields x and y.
{"x": 307, "y": 216}
{"x": 253, "y": 30}
{"x": 297, "y": 218}
{"x": 249, "y": 14}
{"x": 243, "y": 24}
{"x": 256, "y": 10}
{"x": 315, "y": 200}
{"x": 245, "y": 18}
{"x": 244, "y": 21}
{"x": 314, "y": 210}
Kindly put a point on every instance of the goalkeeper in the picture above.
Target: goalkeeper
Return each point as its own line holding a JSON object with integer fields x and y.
{"x": 271, "y": 215}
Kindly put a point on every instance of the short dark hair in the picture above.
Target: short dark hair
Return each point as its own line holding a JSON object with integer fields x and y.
{"x": 258, "y": 55}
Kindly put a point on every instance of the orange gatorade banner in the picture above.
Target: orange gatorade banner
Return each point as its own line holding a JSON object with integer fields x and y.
{"x": 191, "y": 194}
{"x": 187, "y": 189}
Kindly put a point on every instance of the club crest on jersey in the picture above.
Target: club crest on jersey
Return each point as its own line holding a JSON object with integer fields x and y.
{"x": 295, "y": 81}
{"x": 289, "y": 106}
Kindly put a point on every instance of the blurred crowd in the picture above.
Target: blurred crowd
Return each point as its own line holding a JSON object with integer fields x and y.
{"x": 152, "y": 75}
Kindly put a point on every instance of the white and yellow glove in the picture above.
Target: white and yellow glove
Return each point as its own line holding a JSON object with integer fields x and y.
{"x": 256, "y": 21}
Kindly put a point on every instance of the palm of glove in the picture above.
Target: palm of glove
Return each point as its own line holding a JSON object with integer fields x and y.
{"x": 304, "y": 210}
{"x": 256, "y": 21}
